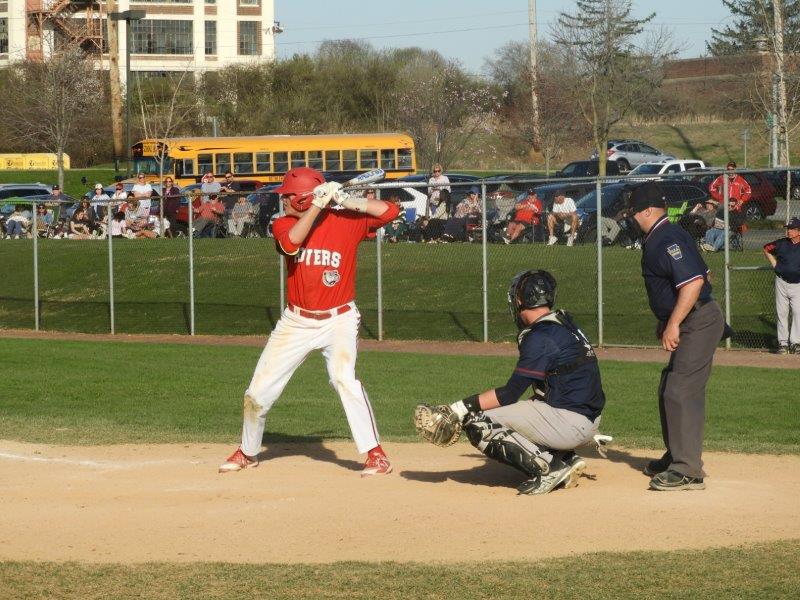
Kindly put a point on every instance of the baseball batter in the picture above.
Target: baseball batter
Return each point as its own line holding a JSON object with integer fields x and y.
{"x": 320, "y": 246}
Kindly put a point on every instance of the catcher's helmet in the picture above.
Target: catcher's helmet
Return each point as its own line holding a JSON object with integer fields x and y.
{"x": 301, "y": 182}
{"x": 530, "y": 289}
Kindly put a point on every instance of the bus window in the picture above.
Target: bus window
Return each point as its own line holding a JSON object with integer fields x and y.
{"x": 369, "y": 159}
{"x": 262, "y": 162}
{"x": 387, "y": 159}
{"x": 242, "y": 162}
{"x": 333, "y": 160}
{"x": 315, "y": 159}
{"x": 281, "y": 160}
{"x": 188, "y": 166}
{"x": 349, "y": 160}
{"x": 404, "y": 156}
{"x": 204, "y": 164}
{"x": 222, "y": 163}
{"x": 298, "y": 158}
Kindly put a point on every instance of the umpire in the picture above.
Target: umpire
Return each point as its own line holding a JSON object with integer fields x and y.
{"x": 690, "y": 325}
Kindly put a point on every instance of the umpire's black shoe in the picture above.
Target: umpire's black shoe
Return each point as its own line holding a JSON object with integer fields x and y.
{"x": 654, "y": 467}
{"x": 670, "y": 480}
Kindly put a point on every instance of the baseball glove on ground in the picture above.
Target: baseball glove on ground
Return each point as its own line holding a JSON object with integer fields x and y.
{"x": 437, "y": 424}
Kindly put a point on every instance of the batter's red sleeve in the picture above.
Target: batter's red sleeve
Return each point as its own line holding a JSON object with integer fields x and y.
{"x": 391, "y": 212}
{"x": 280, "y": 229}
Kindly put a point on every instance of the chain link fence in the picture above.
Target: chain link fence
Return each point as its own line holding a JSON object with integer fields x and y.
{"x": 442, "y": 274}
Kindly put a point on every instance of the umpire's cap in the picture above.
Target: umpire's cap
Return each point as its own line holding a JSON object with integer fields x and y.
{"x": 646, "y": 195}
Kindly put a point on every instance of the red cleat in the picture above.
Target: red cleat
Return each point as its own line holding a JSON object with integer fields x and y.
{"x": 238, "y": 461}
{"x": 377, "y": 464}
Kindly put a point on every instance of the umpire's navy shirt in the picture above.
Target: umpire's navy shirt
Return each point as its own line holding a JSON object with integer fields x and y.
{"x": 542, "y": 350}
{"x": 670, "y": 260}
{"x": 788, "y": 255}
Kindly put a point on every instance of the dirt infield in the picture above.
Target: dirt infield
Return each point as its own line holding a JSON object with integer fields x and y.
{"x": 740, "y": 358}
{"x": 307, "y": 503}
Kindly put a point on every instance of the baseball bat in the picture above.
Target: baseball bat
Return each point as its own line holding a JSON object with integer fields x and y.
{"x": 365, "y": 178}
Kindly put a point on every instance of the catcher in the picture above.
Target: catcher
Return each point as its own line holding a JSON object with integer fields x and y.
{"x": 537, "y": 435}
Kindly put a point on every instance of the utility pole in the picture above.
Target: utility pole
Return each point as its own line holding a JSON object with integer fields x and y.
{"x": 780, "y": 71}
{"x": 114, "y": 82}
{"x": 537, "y": 135}
{"x": 745, "y": 137}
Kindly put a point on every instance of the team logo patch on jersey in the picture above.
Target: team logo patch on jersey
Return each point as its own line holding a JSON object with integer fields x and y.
{"x": 675, "y": 251}
{"x": 330, "y": 278}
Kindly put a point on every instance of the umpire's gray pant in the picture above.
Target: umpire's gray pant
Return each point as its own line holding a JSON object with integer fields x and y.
{"x": 546, "y": 426}
{"x": 787, "y": 295}
{"x": 682, "y": 393}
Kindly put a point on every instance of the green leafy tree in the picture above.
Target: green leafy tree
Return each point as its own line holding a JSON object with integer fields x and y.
{"x": 753, "y": 25}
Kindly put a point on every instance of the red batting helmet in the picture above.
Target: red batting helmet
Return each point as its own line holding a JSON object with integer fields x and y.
{"x": 301, "y": 182}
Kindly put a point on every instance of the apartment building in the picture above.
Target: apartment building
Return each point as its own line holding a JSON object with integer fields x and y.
{"x": 175, "y": 35}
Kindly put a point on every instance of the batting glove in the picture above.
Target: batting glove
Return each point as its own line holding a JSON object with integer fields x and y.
{"x": 323, "y": 194}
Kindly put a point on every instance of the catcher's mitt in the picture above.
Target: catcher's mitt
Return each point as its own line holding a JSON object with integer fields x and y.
{"x": 437, "y": 424}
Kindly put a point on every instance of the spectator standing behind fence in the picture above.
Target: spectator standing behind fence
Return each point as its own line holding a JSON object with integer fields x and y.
{"x": 172, "y": 202}
{"x": 739, "y": 190}
{"x": 526, "y": 214}
{"x": 209, "y": 186}
{"x": 241, "y": 214}
{"x": 784, "y": 256}
{"x": 207, "y": 216}
{"x": 436, "y": 184}
{"x": 17, "y": 223}
{"x": 143, "y": 191}
{"x": 119, "y": 196}
{"x": 99, "y": 201}
{"x": 563, "y": 210}
{"x": 56, "y": 195}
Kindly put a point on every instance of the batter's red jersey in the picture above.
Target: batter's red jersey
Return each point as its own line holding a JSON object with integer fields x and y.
{"x": 322, "y": 270}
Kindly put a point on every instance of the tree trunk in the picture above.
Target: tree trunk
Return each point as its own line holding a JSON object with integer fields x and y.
{"x": 114, "y": 82}
{"x": 780, "y": 71}
{"x": 60, "y": 167}
{"x": 537, "y": 135}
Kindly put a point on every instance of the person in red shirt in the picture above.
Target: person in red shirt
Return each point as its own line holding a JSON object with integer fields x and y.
{"x": 526, "y": 214}
{"x": 320, "y": 245}
{"x": 739, "y": 190}
{"x": 207, "y": 215}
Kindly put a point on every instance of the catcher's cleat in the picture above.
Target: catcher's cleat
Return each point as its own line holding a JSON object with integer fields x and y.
{"x": 568, "y": 475}
{"x": 238, "y": 461}
{"x": 376, "y": 464}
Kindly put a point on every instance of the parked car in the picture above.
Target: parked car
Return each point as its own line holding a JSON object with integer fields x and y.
{"x": 778, "y": 181}
{"x": 23, "y": 190}
{"x": 666, "y": 167}
{"x": 680, "y": 196}
{"x": 632, "y": 153}
{"x": 587, "y": 168}
{"x": 516, "y": 182}
{"x": 762, "y": 201}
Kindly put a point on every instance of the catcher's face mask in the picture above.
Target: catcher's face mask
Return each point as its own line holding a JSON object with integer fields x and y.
{"x": 530, "y": 289}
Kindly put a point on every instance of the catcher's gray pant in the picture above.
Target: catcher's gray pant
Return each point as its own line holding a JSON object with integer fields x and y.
{"x": 787, "y": 296}
{"x": 682, "y": 393}
{"x": 294, "y": 338}
{"x": 548, "y": 427}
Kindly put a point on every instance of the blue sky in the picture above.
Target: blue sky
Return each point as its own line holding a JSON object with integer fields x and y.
{"x": 466, "y": 30}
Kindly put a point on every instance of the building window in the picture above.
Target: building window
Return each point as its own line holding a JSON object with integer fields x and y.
{"x": 161, "y": 37}
{"x": 204, "y": 164}
{"x": 242, "y": 162}
{"x": 263, "y": 162}
{"x": 349, "y": 162}
{"x": 222, "y": 163}
{"x": 211, "y": 1}
{"x": 333, "y": 160}
{"x": 281, "y": 161}
{"x": 249, "y": 38}
{"x": 4, "y": 35}
{"x": 164, "y": 1}
{"x": 249, "y": 2}
{"x": 369, "y": 159}
{"x": 211, "y": 37}
{"x": 404, "y": 158}
{"x": 387, "y": 159}
{"x": 315, "y": 159}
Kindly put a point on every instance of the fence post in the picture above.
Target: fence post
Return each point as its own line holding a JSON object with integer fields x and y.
{"x": 788, "y": 193}
{"x": 379, "y": 246}
{"x": 190, "y": 235}
{"x": 726, "y": 216}
{"x": 110, "y": 269}
{"x": 35, "y": 230}
{"x": 599, "y": 195}
{"x": 485, "y": 282}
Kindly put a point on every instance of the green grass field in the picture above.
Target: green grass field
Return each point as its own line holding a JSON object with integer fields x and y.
{"x": 107, "y": 393}
{"x": 429, "y": 291}
{"x": 757, "y": 572}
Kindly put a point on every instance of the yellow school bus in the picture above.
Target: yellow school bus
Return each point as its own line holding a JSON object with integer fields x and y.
{"x": 266, "y": 158}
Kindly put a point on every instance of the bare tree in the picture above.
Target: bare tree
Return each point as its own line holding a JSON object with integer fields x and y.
{"x": 165, "y": 105}
{"x": 46, "y": 100}
{"x": 614, "y": 74}
{"x": 443, "y": 109}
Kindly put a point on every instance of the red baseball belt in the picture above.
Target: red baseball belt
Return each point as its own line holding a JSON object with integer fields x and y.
{"x": 320, "y": 315}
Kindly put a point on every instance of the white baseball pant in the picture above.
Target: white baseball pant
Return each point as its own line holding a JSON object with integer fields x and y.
{"x": 292, "y": 340}
{"x": 787, "y": 297}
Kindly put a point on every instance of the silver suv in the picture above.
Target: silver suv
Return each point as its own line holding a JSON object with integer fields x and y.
{"x": 23, "y": 190}
{"x": 632, "y": 153}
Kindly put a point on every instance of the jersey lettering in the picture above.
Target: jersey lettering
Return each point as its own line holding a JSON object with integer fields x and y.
{"x": 318, "y": 257}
